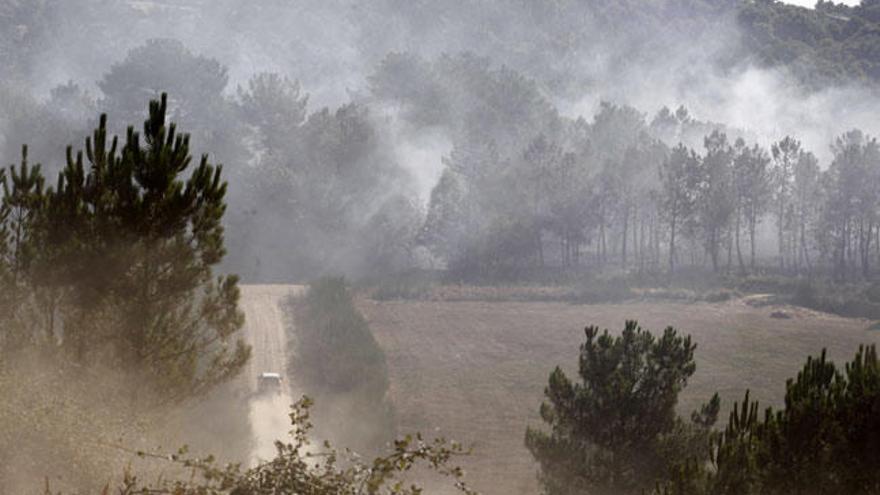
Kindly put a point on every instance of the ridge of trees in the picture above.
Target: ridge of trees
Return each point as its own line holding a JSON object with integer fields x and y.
{"x": 611, "y": 193}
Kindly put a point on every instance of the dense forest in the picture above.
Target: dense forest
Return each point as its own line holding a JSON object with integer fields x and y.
{"x": 523, "y": 184}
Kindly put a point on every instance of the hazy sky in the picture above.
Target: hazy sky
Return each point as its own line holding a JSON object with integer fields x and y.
{"x": 811, "y": 3}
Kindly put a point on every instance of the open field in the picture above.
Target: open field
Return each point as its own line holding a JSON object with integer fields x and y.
{"x": 475, "y": 371}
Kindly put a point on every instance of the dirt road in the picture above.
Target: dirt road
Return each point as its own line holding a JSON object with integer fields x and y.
{"x": 265, "y": 330}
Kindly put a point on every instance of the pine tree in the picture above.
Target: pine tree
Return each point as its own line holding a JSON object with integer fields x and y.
{"x": 166, "y": 235}
{"x": 119, "y": 256}
{"x": 785, "y": 155}
{"x": 610, "y": 433}
{"x": 826, "y": 438}
{"x": 715, "y": 198}
{"x": 677, "y": 193}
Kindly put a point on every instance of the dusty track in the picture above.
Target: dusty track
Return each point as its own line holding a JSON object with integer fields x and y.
{"x": 265, "y": 330}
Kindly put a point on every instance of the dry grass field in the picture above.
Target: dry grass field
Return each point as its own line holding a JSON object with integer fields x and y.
{"x": 475, "y": 371}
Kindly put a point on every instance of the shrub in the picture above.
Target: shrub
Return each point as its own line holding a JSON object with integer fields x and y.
{"x": 766, "y": 284}
{"x": 336, "y": 359}
{"x": 300, "y": 467}
{"x": 851, "y": 300}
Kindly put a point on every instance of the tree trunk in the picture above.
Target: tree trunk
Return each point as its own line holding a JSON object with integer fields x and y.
{"x": 672, "y": 246}
{"x": 625, "y": 232}
{"x": 804, "y": 249}
{"x": 729, "y": 253}
{"x": 780, "y": 220}
{"x": 739, "y": 254}
{"x": 866, "y": 250}
{"x": 540, "y": 248}
{"x": 713, "y": 249}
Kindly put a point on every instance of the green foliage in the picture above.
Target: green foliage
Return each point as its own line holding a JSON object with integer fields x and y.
{"x": 830, "y": 44}
{"x": 336, "y": 359}
{"x": 826, "y": 439}
{"x": 616, "y": 430}
{"x": 335, "y": 347}
{"x": 854, "y": 300}
{"x": 115, "y": 263}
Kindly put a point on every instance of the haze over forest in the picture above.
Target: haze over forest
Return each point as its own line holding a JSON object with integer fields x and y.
{"x": 758, "y": 70}
{"x": 383, "y": 161}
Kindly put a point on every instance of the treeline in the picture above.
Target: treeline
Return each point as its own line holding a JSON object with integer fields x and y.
{"x": 615, "y": 428}
{"x": 524, "y": 191}
{"x": 610, "y": 194}
{"x": 310, "y": 191}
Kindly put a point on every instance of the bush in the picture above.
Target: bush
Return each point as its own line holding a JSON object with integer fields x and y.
{"x": 850, "y": 300}
{"x": 336, "y": 359}
{"x": 805, "y": 295}
{"x": 766, "y": 284}
{"x": 300, "y": 467}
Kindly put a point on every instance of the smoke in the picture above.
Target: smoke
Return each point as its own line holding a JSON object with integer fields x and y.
{"x": 332, "y": 46}
{"x": 765, "y": 103}
{"x": 419, "y": 151}
{"x": 576, "y": 54}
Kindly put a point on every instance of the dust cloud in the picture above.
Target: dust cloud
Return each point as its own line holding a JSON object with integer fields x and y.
{"x": 265, "y": 330}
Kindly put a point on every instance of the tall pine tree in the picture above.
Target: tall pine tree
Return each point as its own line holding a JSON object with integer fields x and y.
{"x": 120, "y": 256}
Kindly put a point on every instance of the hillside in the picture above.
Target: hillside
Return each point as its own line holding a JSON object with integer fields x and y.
{"x": 822, "y": 46}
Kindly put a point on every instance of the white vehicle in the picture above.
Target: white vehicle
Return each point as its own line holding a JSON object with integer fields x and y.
{"x": 269, "y": 383}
